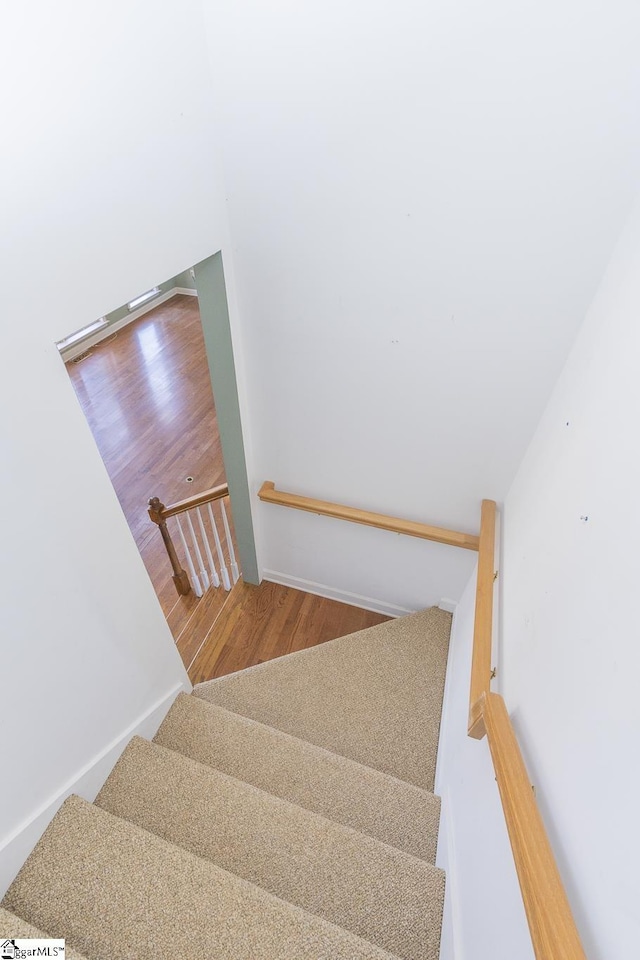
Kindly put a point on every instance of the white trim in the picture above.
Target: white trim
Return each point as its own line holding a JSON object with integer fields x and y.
{"x": 438, "y": 784}
{"x": 448, "y": 605}
{"x": 186, "y": 291}
{"x": 450, "y": 946}
{"x": 111, "y": 328}
{"x": 451, "y": 937}
{"x": 86, "y": 782}
{"x": 451, "y": 940}
{"x": 333, "y": 593}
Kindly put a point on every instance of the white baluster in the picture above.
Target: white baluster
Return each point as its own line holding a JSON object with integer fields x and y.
{"x": 224, "y": 573}
{"x": 192, "y": 570}
{"x": 232, "y": 554}
{"x": 215, "y": 579}
{"x": 196, "y": 546}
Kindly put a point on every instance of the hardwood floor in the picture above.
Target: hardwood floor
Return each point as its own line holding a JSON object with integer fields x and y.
{"x": 147, "y": 397}
{"x": 146, "y": 394}
{"x": 260, "y": 623}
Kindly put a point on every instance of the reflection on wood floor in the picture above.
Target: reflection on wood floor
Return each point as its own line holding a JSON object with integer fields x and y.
{"x": 147, "y": 397}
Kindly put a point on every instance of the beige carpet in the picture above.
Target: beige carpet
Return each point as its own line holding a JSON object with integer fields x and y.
{"x": 119, "y": 892}
{"x": 281, "y": 814}
{"x": 373, "y": 696}
{"x": 365, "y": 886}
{"x": 350, "y": 793}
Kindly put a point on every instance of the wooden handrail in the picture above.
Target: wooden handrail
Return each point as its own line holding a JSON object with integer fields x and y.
{"x": 269, "y": 494}
{"x": 483, "y": 622}
{"x": 553, "y": 931}
{"x": 197, "y": 500}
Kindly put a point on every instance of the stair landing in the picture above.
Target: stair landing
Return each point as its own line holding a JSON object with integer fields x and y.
{"x": 253, "y": 624}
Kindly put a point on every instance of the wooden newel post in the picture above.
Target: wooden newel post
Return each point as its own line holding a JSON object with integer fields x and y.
{"x": 180, "y": 577}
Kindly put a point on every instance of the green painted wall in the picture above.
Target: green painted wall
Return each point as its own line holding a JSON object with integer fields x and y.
{"x": 184, "y": 279}
{"x": 214, "y": 314}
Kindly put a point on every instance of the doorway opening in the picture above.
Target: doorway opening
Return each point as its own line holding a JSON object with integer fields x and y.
{"x": 143, "y": 378}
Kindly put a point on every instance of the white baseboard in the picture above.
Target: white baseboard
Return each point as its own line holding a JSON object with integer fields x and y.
{"x": 439, "y": 785}
{"x": 451, "y": 940}
{"x": 105, "y": 332}
{"x": 86, "y": 782}
{"x": 448, "y": 605}
{"x": 333, "y": 593}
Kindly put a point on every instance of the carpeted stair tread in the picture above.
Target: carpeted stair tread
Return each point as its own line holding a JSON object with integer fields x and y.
{"x": 15, "y": 928}
{"x": 365, "y": 886}
{"x": 374, "y": 696}
{"x": 117, "y": 892}
{"x": 343, "y": 790}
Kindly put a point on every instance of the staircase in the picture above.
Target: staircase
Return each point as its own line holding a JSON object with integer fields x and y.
{"x": 284, "y": 812}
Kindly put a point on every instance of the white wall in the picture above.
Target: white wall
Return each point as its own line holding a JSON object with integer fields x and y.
{"x": 567, "y": 655}
{"x": 422, "y": 200}
{"x": 571, "y": 656}
{"x": 105, "y": 121}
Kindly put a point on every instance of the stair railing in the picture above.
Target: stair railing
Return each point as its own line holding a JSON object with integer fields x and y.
{"x": 199, "y": 536}
{"x": 412, "y": 528}
{"x": 554, "y": 934}
{"x": 481, "y": 670}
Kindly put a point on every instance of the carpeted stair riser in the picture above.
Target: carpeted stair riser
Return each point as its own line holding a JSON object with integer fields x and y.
{"x": 373, "y": 696}
{"x": 348, "y": 878}
{"x": 347, "y": 792}
{"x": 117, "y": 892}
{"x": 15, "y": 928}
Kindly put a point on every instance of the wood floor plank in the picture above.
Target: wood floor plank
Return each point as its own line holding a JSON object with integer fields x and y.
{"x": 181, "y": 612}
{"x": 204, "y": 664}
{"x": 199, "y": 625}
